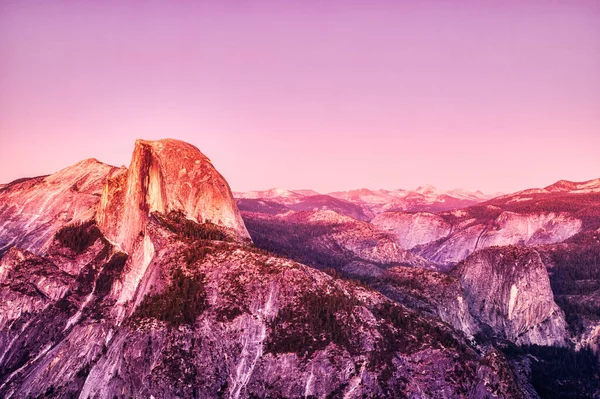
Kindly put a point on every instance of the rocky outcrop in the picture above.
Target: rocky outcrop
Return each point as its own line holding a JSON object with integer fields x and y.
{"x": 31, "y": 283}
{"x": 147, "y": 299}
{"x": 412, "y": 229}
{"x": 526, "y": 229}
{"x": 507, "y": 228}
{"x": 508, "y": 289}
{"x": 574, "y": 270}
{"x": 164, "y": 176}
{"x": 32, "y": 210}
{"x": 219, "y": 319}
{"x": 427, "y": 290}
{"x": 326, "y": 239}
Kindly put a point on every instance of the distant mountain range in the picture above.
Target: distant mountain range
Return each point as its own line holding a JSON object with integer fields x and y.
{"x": 363, "y": 204}
{"x": 445, "y": 227}
{"x": 154, "y": 281}
{"x": 523, "y": 266}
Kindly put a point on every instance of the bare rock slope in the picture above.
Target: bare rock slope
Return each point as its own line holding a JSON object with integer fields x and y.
{"x": 508, "y": 289}
{"x": 218, "y": 318}
{"x": 31, "y": 210}
{"x": 327, "y": 239}
{"x": 449, "y": 237}
{"x": 162, "y": 295}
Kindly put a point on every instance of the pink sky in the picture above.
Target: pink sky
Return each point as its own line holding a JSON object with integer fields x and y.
{"x": 328, "y": 95}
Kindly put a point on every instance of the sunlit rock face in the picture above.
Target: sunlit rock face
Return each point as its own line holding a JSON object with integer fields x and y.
{"x": 508, "y": 228}
{"x": 508, "y": 289}
{"x": 165, "y": 175}
{"x": 31, "y": 210}
{"x": 530, "y": 229}
{"x": 412, "y": 229}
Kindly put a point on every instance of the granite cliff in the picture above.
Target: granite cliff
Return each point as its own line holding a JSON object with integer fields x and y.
{"x": 150, "y": 287}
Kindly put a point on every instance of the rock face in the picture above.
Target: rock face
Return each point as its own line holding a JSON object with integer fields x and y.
{"x": 508, "y": 289}
{"x": 437, "y": 293}
{"x": 31, "y": 210}
{"x": 466, "y": 234}
{"x": 34, "y": 283}
{"x": 412, "y": 229}
{"x": 326, "y": 239}
{"x": 216, "y": 318}
{"x": 164, "y": 176}
{"x": 574, "y": 269}
{"x": 151, "y": 301}
{"x": 113, "y": 283}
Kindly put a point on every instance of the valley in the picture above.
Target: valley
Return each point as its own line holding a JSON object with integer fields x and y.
{"x": 155, "y": 281}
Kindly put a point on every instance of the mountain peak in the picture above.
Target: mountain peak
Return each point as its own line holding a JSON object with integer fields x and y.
{"x": 43, "y": 204}
{"x": 270, "y": 193}
{"x": 172, "y": 145}
{"x": 569, "y": 186}
{"x": 426, "y": 189}
{"x": 166, "y": 175}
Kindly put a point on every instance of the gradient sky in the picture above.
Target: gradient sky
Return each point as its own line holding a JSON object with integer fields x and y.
{"x": 329, "y": 95}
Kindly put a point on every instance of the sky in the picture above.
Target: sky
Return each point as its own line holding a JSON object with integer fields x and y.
{"x": 329, "y": 95}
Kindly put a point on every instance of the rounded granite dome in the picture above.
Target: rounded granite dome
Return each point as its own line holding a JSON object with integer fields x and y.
{"x": 166, "y": 175}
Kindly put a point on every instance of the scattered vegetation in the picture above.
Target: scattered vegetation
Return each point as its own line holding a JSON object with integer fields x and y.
{"x": 294, "y": 241}
{"x": 111, "y": 270}
{"x": 312, "y": 323}
{"x": 78, "y": 236}
{"x": 410, "y": 332}
{"x": 31, "y": 180}
{"x": 573, "y": 265}
{"x": 229, "y": 313}
{"x": 189, "y": 230}
{"x": 574, "y": 277}
{"x": 181, "y": 303}
{"x": 177, "y": 366}
{"x": 561, "y": 373}
{"x": 583, "y": 206}
{"x": 233, "y": 291}
{"x": 403, "y": 331}
{"x": 197, "y": 252}
{"x": 483, "y": 213}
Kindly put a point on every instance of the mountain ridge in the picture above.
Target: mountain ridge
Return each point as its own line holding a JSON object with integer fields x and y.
{"x": 155, "y": 296}
{"x": 143, "y": 281}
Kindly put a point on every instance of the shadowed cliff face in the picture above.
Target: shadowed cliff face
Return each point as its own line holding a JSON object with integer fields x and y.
{"x": 326, "y": 239}
{"x": 165, "y": 175}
